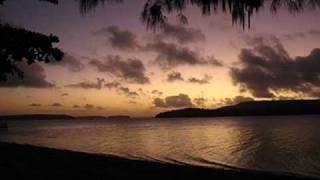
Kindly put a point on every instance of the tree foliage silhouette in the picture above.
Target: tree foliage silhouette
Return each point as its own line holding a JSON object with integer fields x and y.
{"x": 154, "y": 12}
{"x": 19, "y": 44}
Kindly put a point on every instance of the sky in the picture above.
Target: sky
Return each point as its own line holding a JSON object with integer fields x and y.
{"x": 114, "y": 65}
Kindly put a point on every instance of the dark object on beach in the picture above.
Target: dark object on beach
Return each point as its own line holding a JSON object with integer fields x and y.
{"x": 251, "y": 108}
{"x": 119, "y": 117}
{"x": 3, "y": 124}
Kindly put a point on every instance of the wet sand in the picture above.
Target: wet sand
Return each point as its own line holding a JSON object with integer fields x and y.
{"x": 31, "y": 162}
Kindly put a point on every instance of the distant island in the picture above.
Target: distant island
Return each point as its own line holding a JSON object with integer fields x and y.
{"x": 250, "y": 108}
{"x": 119, "y": 117}
{"x": 58, "y": 117}
{"x": 91, "y": 117}
{"x": 37, "y": 117}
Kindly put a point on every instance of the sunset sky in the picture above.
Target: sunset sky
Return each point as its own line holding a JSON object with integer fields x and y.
{"x": 113, "y": 65}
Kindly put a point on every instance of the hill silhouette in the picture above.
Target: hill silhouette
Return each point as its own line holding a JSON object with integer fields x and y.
{"x": 251, "y": 108}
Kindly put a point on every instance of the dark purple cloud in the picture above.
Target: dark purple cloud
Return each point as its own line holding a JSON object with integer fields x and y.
{"x": 174, "y": 76}
{"x": 69, "y": 62}
{"x": 121, "y": 89}
{"x": 112, "y": 85}
{"x": 170, "y": 55}
{"x": 131, "y": 70}
{"x": 267, "y": 69}
{"x": 181, "y": 34}
{"x": 33, "y": 77}
{"x": 119, "y": 39}
{"x": 88, "y": 85}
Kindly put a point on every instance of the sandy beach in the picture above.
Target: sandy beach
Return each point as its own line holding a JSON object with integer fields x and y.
{"x": 31, "y": 162}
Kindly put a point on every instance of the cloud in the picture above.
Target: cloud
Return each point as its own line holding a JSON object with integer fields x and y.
{"x": 35, "y": 105}
{"x": 89, "y": 106}
{"x": 236, "y": 100}
{"x": 179, "y": 101}
{"x": 33, "y": 77}
{"x": 221, "y": 24}
{"x": 205, "y": 80}
{"x": 157, "y": 92}
{"x": 69, "y": 62}
{"x": 88, "y": 85}
{"x": 181, "y": 33}
{"x": 211, "y": 60}
{"x": 119, "y": 39}
{"x": 314, "y": 32}
{"x": 57, "y": 105}
{"x": 121, "y": 89}
{"x": 267, "y": 69}
{"x": 200, "y": 101}
{"x": 132, "y": 70}
{"x": 126, "y": 91}
{"x": 76, "y": 106}
{"x": 133, "y": 102}
{"x": 112, "y": 85}
{"x": 99, "y": 108}
{"x": 170, "y": 55}
{"x": 158, "y": 102}
{"x": 174, "y": 76}
{"x": 293, "y": 36}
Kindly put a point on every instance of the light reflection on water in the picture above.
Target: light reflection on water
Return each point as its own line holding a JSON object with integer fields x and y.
{"x": 288, "y": 144}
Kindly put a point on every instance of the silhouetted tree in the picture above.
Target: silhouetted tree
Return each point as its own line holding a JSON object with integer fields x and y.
{"x": 241, "y": 10}
{"x": 17, "y": 45}
{"x": 154, "y": 11}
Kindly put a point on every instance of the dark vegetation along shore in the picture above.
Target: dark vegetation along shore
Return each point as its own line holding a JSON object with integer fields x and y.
{"x": 30, "y": 162}
{"x": 251, "y": 108}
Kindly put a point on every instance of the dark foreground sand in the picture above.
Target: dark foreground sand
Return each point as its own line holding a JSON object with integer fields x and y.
{"x": 30, "y": 162}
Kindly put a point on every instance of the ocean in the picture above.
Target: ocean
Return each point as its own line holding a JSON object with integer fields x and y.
{"x": 286, "y": 144}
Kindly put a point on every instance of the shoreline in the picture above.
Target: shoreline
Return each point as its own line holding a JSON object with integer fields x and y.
{"x": 33, "y": 162}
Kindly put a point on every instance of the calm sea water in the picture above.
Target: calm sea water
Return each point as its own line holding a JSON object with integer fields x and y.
{"x": 281, "y": 144}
